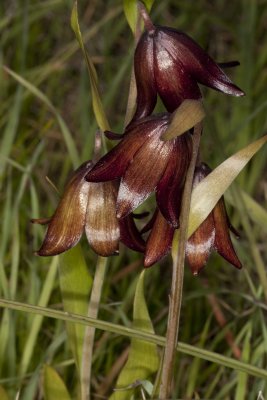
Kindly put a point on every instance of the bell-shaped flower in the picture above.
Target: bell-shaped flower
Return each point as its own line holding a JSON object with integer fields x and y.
{"x": 171, "y": 64}
{"x": 90, "y": 207}
{"x": 145, "y": 163}
{"x": 213, "y": 233}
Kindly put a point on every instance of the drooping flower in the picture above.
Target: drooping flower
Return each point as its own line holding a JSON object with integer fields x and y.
{"x": 89, "y": 207}
{"x": 146, "y": 163}
{"x": 170, "y": 64}
{"x": 213, "y": 233}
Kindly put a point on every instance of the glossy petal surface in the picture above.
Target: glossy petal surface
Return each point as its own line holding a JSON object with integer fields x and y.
{"x": 67, "y": 224}
{"x": 102, "y": 226}
{"x": 197, "y": 62}
{"x": 143, "y": 174}
{"x": 145, "y": 80}
{"x": 170, "y": 187}
{"x": 223, "y": 243}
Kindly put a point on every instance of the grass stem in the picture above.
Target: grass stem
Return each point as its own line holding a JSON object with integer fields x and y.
{"x": 177, "y": 276}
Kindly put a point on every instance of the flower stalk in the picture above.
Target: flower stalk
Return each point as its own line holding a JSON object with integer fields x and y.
{"x": 178, "y": 275}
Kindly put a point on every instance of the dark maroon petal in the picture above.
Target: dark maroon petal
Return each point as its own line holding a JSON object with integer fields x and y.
{"x": 144, "y": 73}
{"x": 200, "y": 244}
{"x": 223, "y": 243}
{"x": 159, "y": 241}
{"x": 101, "y": 226}
{"x": 113, "y": 136}
{"x": 67, "y": 224}
{"x": 197, "y": 62}
{"x": 170, "y": 187}
{"x": 130, "y": 235}
{"x": 174, "y": 82}
{"x": 114, "y": 163}
{"x": 149, "y": 225}
{"x": 143, "y": 174}
{"x": 229, "y": 64}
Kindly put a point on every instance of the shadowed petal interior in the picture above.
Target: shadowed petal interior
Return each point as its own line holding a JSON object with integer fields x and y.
{"x": 130, "y": 235}
{"x": 159, "y": 241}
{"x": 66, "y": 226}
{"x": 170, "y": 187}
{"x": 101, "y": 226}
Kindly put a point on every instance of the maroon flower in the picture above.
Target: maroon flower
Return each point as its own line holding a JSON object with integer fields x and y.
{"x": 146, "y": 163}
{"x": 169, "y": 63}
{"x": 213, "y": 233}
{"x": 90, "y": 207}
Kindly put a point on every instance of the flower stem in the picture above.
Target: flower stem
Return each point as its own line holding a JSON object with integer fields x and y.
{"x": 177, "y": 276}
{"x": 89, "y": 334}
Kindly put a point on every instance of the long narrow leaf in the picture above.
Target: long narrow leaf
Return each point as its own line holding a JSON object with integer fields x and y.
{"x": 209, "y": 190}
{"x": 75, "y": 284}
{"x": 97, "y": 103}
{"x": 136, "y": 333}
{"x": 143, "y": 359}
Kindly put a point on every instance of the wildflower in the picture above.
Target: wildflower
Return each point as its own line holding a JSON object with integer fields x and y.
{"x": 169, "y": 63}
{"x": 213, "y": 233}
{"x": 146, "y": 163}
{"x": 90, "y": 207}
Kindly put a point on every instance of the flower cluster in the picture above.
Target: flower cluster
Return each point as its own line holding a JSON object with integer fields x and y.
{"x": 100, "y": 198}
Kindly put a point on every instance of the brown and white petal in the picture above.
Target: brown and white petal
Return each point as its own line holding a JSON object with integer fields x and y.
{"x": 101, "y": 226}
{"x": 66, "y": 226}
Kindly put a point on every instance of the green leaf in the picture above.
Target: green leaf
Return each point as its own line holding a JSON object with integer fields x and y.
{"x": 97, "y": 103}
{"x": 208, "y": 192}
{"x": 143, "y": 359}
{"x": 53, "y": 386}
{"x": 130, "y": 10}
{"x": 242, "y": 379}
{"x": 185, "y": 117}
{"x": 75, "y": 284}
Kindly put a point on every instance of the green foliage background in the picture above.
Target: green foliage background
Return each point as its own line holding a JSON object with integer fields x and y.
{"x": 36, "y": 41}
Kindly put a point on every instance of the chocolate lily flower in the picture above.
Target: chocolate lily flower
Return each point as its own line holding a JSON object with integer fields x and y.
{"x": 213, "y": 233}
{"x": 169, "y": 63}
{"x": 146, "y": 163}
{"x": 90, "y": 207}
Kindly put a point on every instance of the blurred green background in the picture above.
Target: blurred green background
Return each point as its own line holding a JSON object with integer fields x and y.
{"x": 36, "y": 42}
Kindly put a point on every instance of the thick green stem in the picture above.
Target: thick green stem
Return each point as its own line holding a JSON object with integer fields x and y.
{"x": 89, "y": 335}
{"x": 177, "y": 276}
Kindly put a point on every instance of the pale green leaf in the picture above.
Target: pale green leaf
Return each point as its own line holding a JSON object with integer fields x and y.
{"x": 208, "y": 192}
{"x": 185, "y": 117}
{"x": 53, "y": 386}
{"x": 97, "y": 103}
{"x": 143, "y": 359}
{"x": 75, "y": 284}
{"x": 130, "y": 10}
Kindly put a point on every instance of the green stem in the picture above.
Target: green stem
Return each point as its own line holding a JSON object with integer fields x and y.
{"x": 135, "y": 333}
{"x": 177, "y": 276}
{"x": 89, "y": 335}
